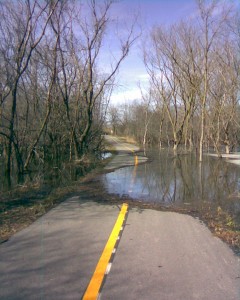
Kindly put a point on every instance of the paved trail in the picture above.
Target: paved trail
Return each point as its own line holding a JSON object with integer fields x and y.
{"x": 127, "y": 154}
{"x": 161, "y": 255}
{"x": 171, "y": 256}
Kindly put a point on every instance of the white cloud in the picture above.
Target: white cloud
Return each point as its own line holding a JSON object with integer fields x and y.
{"x": 126, "y": 96}
{"x": 144, "y": 77}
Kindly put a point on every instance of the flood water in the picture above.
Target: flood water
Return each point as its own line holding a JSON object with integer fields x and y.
{"x": 179, "y": 181}
{"x": 51, "y": 176}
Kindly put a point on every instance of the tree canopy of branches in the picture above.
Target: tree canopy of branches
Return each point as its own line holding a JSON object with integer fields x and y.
{"x": 53, "y": 96}
{"x": 194, "y": 71}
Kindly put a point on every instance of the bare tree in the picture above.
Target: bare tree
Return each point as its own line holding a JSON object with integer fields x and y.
{"x": 212, "y": 25}
{"x": 53, "y": 96}
{"x": 21, "y": 33}
{"x": 173, "y": 72}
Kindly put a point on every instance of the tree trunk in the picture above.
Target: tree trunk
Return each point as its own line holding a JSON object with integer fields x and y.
{"x": 11, "y": 129}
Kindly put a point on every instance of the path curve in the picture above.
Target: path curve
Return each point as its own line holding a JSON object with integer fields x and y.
{"x": 126, "y": 154}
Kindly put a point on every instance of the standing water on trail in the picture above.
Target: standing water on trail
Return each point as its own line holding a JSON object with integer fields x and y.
{"x": 179, "y": 181}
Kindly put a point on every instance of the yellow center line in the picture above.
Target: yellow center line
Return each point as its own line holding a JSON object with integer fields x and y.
{"x": 98, "y": 275}
{"x": 136, "y": 160}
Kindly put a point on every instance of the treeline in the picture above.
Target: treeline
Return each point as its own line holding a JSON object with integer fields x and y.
{"x": 53, "y": 95}
{"x": 194, "y": 72}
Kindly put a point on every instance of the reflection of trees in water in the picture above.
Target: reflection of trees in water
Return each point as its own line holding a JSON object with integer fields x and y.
{"x": 61, "y": 174}
{"x": 159, "y": 179}
{"x": 182, "y": 179}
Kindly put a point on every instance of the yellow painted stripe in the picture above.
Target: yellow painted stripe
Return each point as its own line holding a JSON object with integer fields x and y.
{"x": 98, "y": 275}
{"x": 136, "y": 160}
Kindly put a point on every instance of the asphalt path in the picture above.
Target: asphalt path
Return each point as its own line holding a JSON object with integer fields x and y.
{"x": 160, "y": 255}
{"x": 55, "y": 257}
{"x": 127, "y": 154}
{"x": 168, "y": 256}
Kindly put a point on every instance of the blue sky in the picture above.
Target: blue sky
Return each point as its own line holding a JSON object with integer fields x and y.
{"x": 150, "y": 13}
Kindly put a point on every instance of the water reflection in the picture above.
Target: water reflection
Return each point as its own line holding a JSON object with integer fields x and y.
{"x": 52, "y": 173}
{"x": 47, "y": 175}
{"x": 179, "y": 180}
